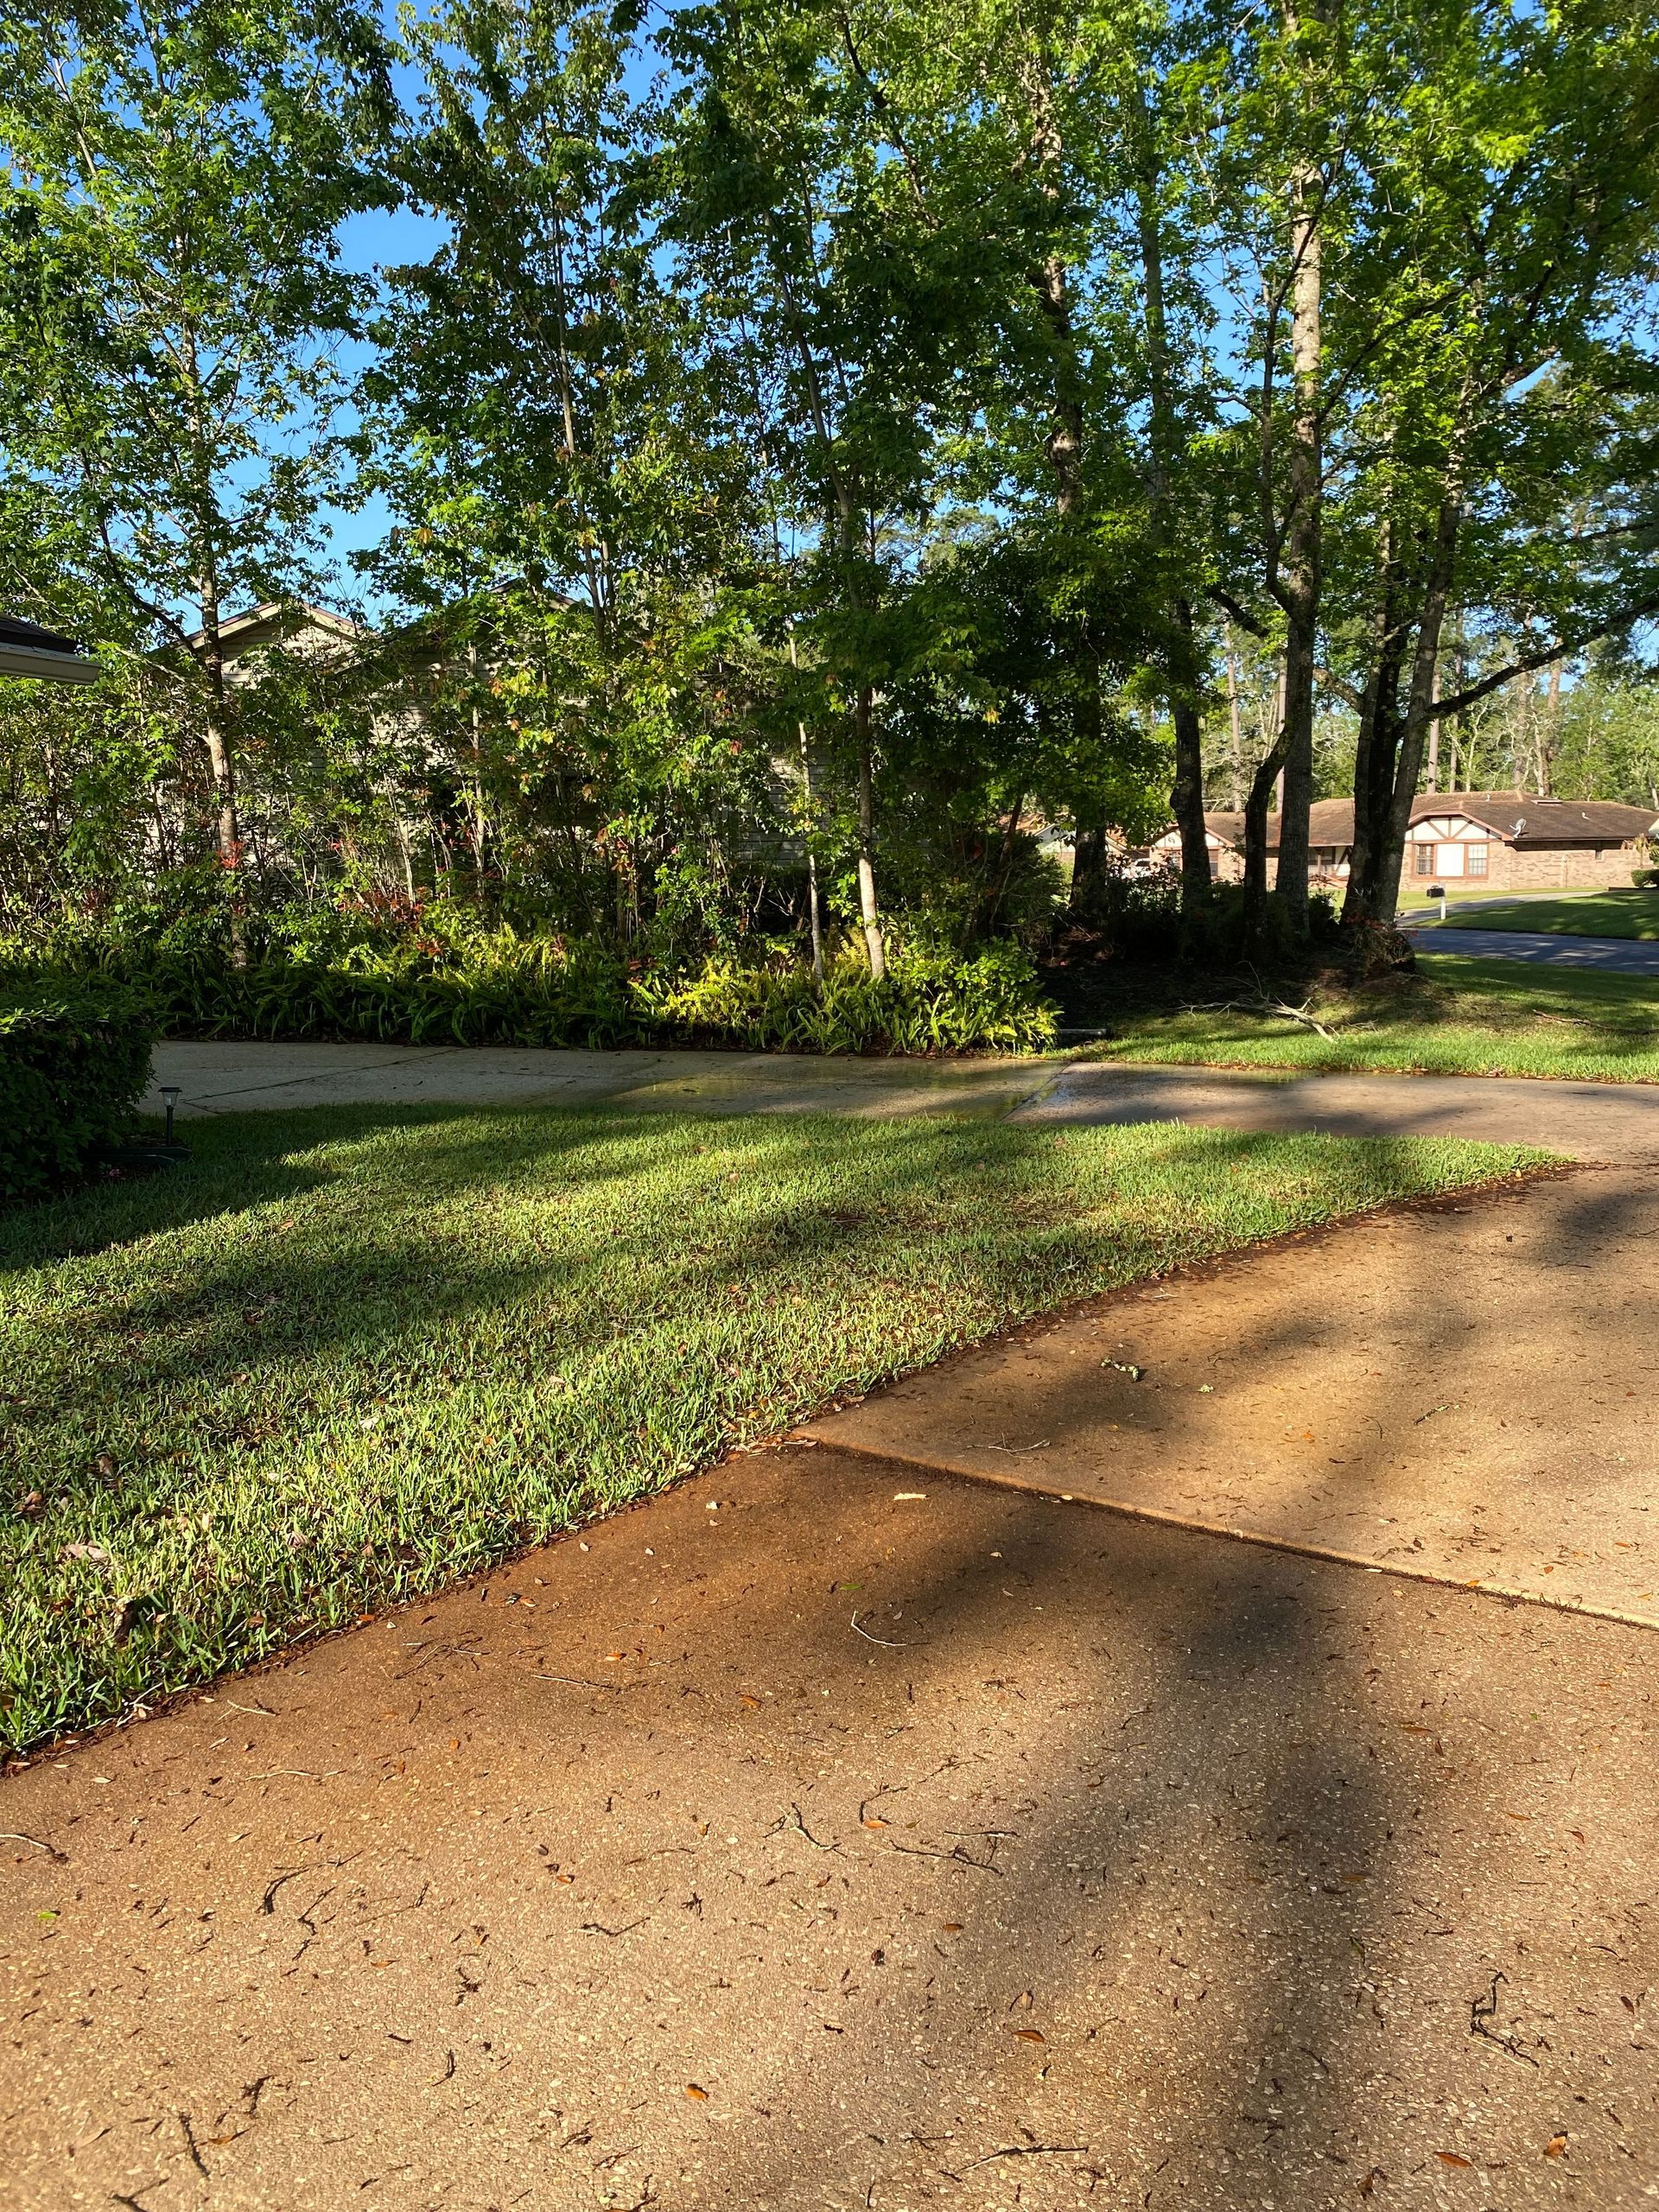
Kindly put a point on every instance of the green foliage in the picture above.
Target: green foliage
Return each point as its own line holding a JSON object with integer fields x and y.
{"x": 73, "y": 1064}
{"x": 901, "y": 400}
{"x": 345, "y": 1357}
{"x": 927, "y": 1003}
{"x": 436, "y": 975}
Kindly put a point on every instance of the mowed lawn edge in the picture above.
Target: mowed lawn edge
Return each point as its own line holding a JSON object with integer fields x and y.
{"x": 1461, "y": 1016}
{"x": 1632, "y": 914}
{"x": 349, "y": 1356}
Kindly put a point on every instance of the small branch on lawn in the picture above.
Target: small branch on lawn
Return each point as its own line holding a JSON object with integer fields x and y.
{"x": 1264, "y": 1006}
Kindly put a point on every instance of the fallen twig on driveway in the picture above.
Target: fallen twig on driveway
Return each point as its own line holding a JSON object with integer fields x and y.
{"x": 886, "y": 1641}
{"x": 1023, "y": 2151}
{"x": 14, "y": 1835}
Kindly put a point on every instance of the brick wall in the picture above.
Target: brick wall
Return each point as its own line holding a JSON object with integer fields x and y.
{"x": 1556, "y": 868}
{"x": 1570, "y": 868}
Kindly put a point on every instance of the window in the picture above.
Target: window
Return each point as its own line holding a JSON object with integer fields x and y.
{"x": 1476, "y": 859}
{"x": 1448, "y": 859}
{"x": 1423, "y": 863}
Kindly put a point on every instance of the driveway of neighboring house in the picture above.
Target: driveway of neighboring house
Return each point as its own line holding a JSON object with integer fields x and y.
{"x": 1197, "y": 1752}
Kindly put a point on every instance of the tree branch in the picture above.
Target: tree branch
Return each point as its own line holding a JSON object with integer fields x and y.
{"x": 1561, "y": 649}
{"x": 1229, "y": 605}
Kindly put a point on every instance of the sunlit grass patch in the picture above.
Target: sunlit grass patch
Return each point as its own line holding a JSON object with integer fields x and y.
{"x": 1456, "y": 1017}
{"x": 1631, "y": 914}
{"x": 349, "y": 1355}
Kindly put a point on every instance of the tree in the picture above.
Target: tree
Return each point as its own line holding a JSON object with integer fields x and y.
{"x": 851, "y": 298}
{"x": 578, "y": 527}
{"x": 1500, "y": 461}
{"x": 171, "y": 290}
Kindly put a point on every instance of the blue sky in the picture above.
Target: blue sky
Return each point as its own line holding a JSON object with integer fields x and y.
{"x": 380, "y": 238}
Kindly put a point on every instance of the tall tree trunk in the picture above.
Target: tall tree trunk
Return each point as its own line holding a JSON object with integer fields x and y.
{"x": 216, "y": 737}
{"x": 1236, "y": 742}
{"x": 1062, "y": 449}
{"x": 1187, "y": 798}
{"x": 807, "y": 826}
{"x": 1419, "y": 701}
{"x": 1549, "y": 738}
{"x": 1303, "y": 569}
{"x": 1378, "y": 739}
{"x": 847, "y": 526}
{"x": 869, "y": 914}
{"x": 1256, "y": 842}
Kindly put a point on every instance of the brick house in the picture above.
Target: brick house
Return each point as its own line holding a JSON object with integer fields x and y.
{"x": 1512, "y": 840}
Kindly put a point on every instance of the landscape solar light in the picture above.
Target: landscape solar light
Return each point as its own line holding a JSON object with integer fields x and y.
{"x": 171, "y": 1095}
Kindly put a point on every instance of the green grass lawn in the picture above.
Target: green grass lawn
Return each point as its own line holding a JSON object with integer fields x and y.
{"x": 1584, "y": 913}
{"x": 347, "y": 1356}
{"x": 1457, "y": 1016}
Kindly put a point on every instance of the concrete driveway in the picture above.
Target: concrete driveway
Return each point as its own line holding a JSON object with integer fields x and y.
{"x": 1196, "y": 1753}
{"x": 875, "y": 1840}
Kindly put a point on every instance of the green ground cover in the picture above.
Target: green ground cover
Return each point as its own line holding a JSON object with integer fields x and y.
{"x": 1584, "y": 913}
{"x": 1456, "y": 1016}
{"x": 347, "y": 1356}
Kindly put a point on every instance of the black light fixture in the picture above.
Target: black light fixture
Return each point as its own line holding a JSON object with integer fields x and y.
{"x": 171, "y": 1095}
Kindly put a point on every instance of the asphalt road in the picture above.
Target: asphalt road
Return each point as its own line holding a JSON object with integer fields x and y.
{"x": 1612, "y": 955}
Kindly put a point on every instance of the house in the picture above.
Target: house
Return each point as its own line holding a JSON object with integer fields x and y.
{"x": 308, "y": 632}
{"x": 1513, "y": 840}
{"x": 27, "y": 650}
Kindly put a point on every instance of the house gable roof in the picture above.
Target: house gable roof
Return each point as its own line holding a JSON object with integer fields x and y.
{"x": 274, "y": 621}
{"x": 1522, "y": 818}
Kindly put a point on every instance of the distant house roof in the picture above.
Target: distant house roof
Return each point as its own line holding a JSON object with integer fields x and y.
{"x": 1516, "y": 817}
{"x": 1521, "y": 818}
{"x": 27, "y": 650}
{"x": 273, "y": 622}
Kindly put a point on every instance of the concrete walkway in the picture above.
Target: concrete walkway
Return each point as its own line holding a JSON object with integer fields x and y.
{"x": 879, "y": 1823}
{"x": 239, "y": 1078}
{"x": 1609, "y": 955}
{"x": 1590, "y": 1121}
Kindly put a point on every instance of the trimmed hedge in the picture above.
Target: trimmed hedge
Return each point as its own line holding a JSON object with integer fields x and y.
{"x": 72, "y": 1066}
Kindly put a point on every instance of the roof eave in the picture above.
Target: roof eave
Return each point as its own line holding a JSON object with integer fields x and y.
{"x": 46, "y": 667}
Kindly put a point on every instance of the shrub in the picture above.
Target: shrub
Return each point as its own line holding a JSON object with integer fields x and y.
{"x": 71, "y": 1067}
{"x": 928, "y": 1002}
{"x": 449, "y": 984}
{"x": 1645, "y": 879}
